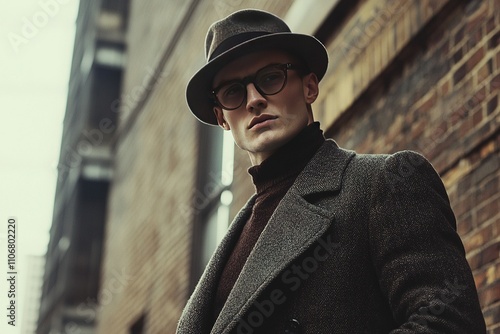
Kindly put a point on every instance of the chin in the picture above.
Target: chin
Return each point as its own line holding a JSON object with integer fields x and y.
{"x": 270, "y": 144}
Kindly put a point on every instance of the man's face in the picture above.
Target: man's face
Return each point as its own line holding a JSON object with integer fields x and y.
{"x": 263, "y": 123}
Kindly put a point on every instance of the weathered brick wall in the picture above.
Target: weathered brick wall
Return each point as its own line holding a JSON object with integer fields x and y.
{"x": 425, "y": 75}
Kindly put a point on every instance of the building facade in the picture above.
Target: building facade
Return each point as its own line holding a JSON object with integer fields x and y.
{"x": 73, "y": 259}
{"x": 33, "y": 292}
{"x": 403, "y": 74}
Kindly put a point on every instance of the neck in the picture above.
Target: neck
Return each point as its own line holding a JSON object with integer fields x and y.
{"x": 288, "y": 160}
{"x": 256, "y": 158}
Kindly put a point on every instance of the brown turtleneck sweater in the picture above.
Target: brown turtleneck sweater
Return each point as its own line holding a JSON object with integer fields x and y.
{"x": 272, "y": 179}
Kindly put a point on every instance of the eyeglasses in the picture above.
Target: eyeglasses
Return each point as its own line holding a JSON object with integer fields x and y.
{"x": 269, "y": 80}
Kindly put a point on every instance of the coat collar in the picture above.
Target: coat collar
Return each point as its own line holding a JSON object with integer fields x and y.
{"x": 279, "y": 244}
{"x": 325, "y": 170}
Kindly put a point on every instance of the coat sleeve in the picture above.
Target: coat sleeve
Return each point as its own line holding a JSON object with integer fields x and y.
{"x": 418, "y": 256}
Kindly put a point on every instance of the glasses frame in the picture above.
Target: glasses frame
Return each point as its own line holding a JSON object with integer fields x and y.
{"x": 251, "y": 79}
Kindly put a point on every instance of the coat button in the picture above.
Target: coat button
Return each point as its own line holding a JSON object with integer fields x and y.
{"x": 293, "y": 327}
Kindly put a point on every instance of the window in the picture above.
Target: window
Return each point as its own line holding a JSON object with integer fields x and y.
{"x": 213, "y": 195}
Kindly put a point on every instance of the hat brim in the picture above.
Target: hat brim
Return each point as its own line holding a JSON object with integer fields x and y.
{"x": 307, "y": 47}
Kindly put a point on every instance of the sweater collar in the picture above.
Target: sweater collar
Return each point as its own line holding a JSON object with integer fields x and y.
{"x": 289, "y": 160}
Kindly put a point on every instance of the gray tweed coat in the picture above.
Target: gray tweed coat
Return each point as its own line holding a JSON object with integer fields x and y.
{"x": 359, "y": 244}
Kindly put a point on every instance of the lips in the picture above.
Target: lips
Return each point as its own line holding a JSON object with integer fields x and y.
{"x": 260, "y": 119}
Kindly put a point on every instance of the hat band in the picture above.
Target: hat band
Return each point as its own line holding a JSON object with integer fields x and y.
{"x": 232, "y": 41}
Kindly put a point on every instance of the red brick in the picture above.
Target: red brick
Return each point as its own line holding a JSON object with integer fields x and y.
{"x": 465, "y": 126}
{"x": 495, "y": 83}
{"x": 488, "y": 168}
{"x": 479, "y": 237}
{"x": 484, "y": 72}
{"x": 443, "y": 141}
{"x": 492, "y": 105}
{"x": 475, "y": 59}
{"x": 490, "y": 25}
{"x": 494, "y": 41}
{"x": 445, "y": 88}
{"x": 457, "y": 56}
{"x": 459, "y": 74}
{"x": 479, "y": 96}
{"x": 488, "y": 275}
{"x": 464, "y": 185}
{"x": 424, "y": 108}
{"x": 474, "y": 38}
{"x": 463, "y": 206}
{"x": 488, "y": 190}
{"x": 485, "y": 256}
{"x": 490, "y": 295}
{"x": 480, "y": 278}
{"x": 459, "y": 35}
{"x": 489, "y": 210}
{"x": 477, "y": 117}
{"x": 458, "y": 115}
{"x": 475, "y": 137}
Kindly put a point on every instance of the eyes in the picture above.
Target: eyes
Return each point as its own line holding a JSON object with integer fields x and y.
{"x": 269, "y": 80}
{"x": 232, "y": 89}
{"x": 266, "y": 82}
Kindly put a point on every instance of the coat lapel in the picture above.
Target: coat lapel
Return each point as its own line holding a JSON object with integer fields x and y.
{"x": 196, "y": 317}
{"x": 295, "y": 225}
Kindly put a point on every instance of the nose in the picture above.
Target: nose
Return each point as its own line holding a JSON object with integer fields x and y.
{"x": 255, "y": 101}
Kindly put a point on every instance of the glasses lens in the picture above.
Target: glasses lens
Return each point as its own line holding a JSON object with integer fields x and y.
{"x": 231, "y": 95}
{"x": 270, "y": 80}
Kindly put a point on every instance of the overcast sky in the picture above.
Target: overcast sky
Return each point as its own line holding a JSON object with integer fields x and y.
{"x": 36, "y": 46}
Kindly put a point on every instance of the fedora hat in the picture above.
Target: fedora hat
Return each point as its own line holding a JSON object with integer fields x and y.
{"x": 241, "y": 33}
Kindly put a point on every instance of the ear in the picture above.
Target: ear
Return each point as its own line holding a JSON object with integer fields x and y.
{"x": 220, "y": 118}
{"x": 311, "y": 87}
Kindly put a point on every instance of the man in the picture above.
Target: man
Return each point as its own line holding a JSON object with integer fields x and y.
{"x": 332, "y": 241}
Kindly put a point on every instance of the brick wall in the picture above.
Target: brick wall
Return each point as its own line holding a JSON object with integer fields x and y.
{"x": 425, "y": 75}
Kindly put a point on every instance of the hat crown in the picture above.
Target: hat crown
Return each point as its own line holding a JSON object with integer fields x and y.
{"x": 239, "y": 27}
